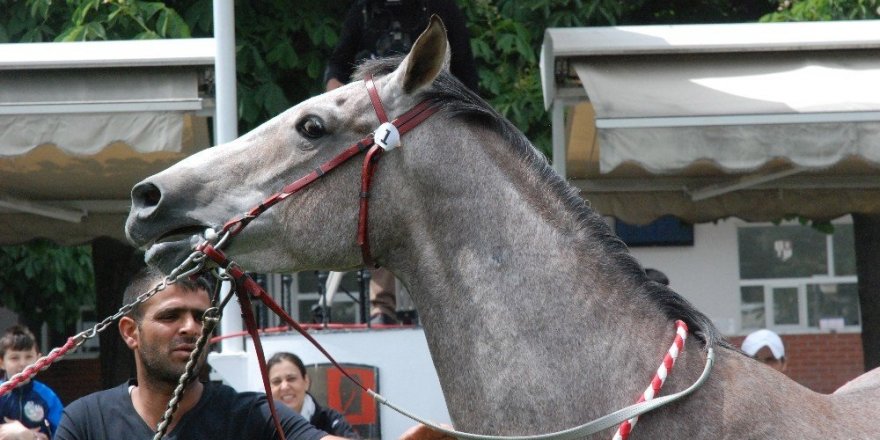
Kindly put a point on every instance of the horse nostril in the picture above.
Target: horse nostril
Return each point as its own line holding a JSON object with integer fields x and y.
{"x": 146, "y": 195}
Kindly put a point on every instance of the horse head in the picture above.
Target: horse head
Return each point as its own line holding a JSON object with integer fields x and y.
{"x": 171, "y": 210}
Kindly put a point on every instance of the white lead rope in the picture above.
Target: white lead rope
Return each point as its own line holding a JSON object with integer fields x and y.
{"x": 584, "y": 430}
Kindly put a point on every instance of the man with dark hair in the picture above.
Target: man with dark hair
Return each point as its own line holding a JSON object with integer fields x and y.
{"x": 162, "y": 332}
{"x": 32, "y": 410}
{"x": 148, "y": 279}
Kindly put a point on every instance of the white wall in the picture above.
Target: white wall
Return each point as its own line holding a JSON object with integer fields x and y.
{"x": 707, "y": 273}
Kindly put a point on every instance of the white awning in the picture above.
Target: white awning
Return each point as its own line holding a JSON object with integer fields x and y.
{"x": 684, "y": 114}
{"x": 80, "y": 123}
{"x": 737, "y": 110}
{"x": 89, "y": 133}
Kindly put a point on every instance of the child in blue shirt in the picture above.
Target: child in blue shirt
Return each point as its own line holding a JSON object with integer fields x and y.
{"x": 31, "y": 411}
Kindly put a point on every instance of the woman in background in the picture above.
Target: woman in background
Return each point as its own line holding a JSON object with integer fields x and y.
{"x": 290, "y": 386}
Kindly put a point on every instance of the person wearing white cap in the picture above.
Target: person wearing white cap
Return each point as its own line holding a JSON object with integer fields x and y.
{"x": 766, "y": 346}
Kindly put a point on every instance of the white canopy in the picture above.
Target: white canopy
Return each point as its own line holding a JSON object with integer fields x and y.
{"x": 696, "y": 112}
{"x": 81, "y": 122}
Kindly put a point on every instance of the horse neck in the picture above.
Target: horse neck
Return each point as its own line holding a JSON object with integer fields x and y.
{"x": 535, "y": 324}
{"x": 508, "y": 283}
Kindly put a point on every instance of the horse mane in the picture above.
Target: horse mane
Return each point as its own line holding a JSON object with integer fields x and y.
{"x": 460, "y": 102}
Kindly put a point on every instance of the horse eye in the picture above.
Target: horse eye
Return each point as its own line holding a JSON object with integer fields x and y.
{"x": 311, "y": 127}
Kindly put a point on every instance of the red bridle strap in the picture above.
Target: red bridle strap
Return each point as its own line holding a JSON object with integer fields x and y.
{"x": 363, "y": 216}
{"x": 247, "y": 313}
{"x": 235, "y": 226}
{"x": 374, "y": 98}
{"x": 404, "y": 124}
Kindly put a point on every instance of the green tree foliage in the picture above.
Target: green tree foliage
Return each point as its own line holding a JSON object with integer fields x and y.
{"x": 281, "y": 51}
{"x": 824, "y": 10}
{"x": 695, "y": 11}
{"x": 33, "y": 21}
{"x": 506, "y": 38}
{"x": 45, "y": 282}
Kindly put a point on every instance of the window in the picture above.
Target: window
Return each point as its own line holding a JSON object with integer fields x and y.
{"x": 785, "y": 306}
{"x": 793, "y": 277}
{"x": 345, "y": 306}
{"x": 665, "y": 231}
{"x": 781, "y": 252}
{"x": 752, "y": 306}
{"x": 833, "y": 301}
{"x": 298, "y": 293}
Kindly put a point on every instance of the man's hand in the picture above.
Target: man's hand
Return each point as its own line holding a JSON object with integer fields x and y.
{"x": 423, "y": 432}
{"x": 14, "y": 430}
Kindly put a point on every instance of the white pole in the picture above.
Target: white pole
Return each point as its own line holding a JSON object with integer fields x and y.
{"x": 226, "y": 130}
{"x": 557, "y": 127}
{"x": 334, "y": 279}
{"x": 226, "y": 118}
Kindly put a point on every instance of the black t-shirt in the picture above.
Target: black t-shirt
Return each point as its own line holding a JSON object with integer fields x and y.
{"x": 333, "y": 422}
{"x": 221, "y": 413}
{"x": 378, "y": 28}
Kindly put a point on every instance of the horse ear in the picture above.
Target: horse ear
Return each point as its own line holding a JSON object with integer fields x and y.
{"x": 429, "y": 55}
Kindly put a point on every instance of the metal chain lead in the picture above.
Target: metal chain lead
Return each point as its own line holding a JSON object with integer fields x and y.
{"x": 196, "y": 258}
{"x": 194, "y": 263}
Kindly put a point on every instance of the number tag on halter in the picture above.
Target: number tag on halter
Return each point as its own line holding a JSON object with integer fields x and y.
{"x": 387, "y": 136}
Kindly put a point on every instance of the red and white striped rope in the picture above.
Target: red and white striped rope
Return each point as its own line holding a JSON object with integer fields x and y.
{"x": 681, "y": 331}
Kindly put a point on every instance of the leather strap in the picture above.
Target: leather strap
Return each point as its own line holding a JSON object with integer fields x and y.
{"x": 247, "y": 312}
{"x": 363, "y": 216}
{"x": 404, "y": 123}
{"x": 237, "y": 224}
{"x": 374, "y": 98}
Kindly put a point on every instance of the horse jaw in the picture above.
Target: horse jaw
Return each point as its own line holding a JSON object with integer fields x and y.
{"x": 167, "y": 256}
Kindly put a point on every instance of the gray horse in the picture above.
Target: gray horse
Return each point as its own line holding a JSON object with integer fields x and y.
{"x": 537, "y": 317}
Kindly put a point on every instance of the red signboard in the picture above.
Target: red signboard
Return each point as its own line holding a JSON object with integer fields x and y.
{"x": 330, "y": 386}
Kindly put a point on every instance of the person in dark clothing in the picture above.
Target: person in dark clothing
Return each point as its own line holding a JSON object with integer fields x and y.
{"x": 290, "y": 385}
{"x": 380, "y": 28}
{"x": 162, "y": 333}
{"x": 32, "y": 410}
{"x": 220, "y": 413}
